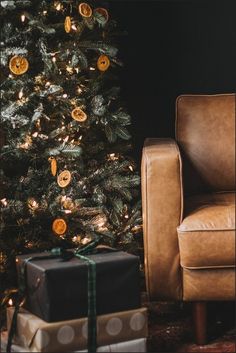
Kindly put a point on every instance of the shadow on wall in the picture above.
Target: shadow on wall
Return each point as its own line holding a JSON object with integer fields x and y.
{"x": 173, "y": 47}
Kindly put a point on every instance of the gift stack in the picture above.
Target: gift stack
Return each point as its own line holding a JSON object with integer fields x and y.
{"x": 55, "y": 317}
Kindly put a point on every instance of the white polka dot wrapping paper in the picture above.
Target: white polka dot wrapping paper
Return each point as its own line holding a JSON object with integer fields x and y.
{"x": 71, "y": 335}
{"x": 139, "y": 345}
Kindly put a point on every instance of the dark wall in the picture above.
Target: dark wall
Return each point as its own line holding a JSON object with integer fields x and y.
{"x": 172, "y": 48}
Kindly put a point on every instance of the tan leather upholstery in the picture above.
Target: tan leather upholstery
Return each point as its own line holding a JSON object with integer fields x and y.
{"x": 209, "y": 284}
{"x": 162, "y": 213}
{"x": 205, "y": 131}
{"x": 189, "y": 227}
{"x": 207, "y": 228}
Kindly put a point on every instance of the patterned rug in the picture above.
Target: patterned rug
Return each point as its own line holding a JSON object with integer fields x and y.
{"x": 170, "y": 328}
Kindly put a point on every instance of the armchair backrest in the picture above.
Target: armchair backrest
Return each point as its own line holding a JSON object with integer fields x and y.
{"x": 205, "y": 131}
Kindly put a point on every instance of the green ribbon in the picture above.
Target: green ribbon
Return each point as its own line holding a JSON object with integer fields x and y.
{"x": 64, "y": 255}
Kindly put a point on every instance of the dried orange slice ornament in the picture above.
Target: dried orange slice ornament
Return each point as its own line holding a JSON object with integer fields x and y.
{"x": 59, "y": 226}
{"x": 53, "y": 162}
{"x": 78, "y": 114}
{"x": 103, "y": 62}
{"x": 18, "y": 65}
{"x": 85, "y": 10}
{"x": 101, "y": 15}
{"x": 67, "y": 24}
{"x": 64, "y": 178}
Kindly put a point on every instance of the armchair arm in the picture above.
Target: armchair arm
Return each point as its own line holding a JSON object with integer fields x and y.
{"x": 162, "y": 203}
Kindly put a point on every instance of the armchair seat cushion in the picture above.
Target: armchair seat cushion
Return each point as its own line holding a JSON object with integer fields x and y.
{"x": 207, "y": 232}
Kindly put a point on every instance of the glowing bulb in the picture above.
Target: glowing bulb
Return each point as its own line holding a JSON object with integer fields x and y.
{"x": 4, "y": 202}
{"x": 54, "y": 59}
{"x": 10, "y": 302}
{"x": 35, "y": 134}
{"x": 74, "y": 27}
{"x": 67, "y": 211}
{"x": 22, "y": 18}
{"x": 66, "y": 139}
{"x": 64, "y": 95}
{"x": 126, "y": 216}
{"x": 20, "y": 95}
{"x": 45, "y": 12}
{"x": 58, "y": 6}
{"x": 48, "y": 83}
{"x": 92, "y": 68}
{"x": 131, "y": 168}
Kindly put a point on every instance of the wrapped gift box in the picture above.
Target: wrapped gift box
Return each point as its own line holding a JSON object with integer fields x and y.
{"x": 40, "y": 336}
{"x": 57, "y": 290}
{"x": 139, "y": 345}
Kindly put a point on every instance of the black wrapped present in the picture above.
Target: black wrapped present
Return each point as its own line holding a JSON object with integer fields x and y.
{"x": 57, "y": 290}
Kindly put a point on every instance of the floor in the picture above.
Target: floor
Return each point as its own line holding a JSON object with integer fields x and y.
{"x": 170, "y": 328}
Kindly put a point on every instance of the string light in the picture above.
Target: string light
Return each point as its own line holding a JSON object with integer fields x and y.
{"x": 10, "y": 302}
{"x": 54, "y": 59}
{"x": 131, "y": 168}
{"x": 92, "y": 68}
{"x": 22, "y": 18}
{"x": 35, "y": 134}
{"x": 58, "y": 5}
{"x": 4, "y": 202}
{"x": 45, "y": 12}
{"x": 64, "y": 95}
{"x": 20, "y": 95}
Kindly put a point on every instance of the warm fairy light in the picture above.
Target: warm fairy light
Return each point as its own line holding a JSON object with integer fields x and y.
{"x": 74, "y": 27}
{"x": 45, "y": 12}
{"x": 58, "y": 5}
{"x": 35, "y": 134}
{"x": 80, "y": 138}
{"x": 77, "y": 70}
{"x": 22, "y": 18}
{"x": 131, "y": 168}
{"x": 10, "y": 302}
{"x": 54, "y": 59}
{"x": 112, "y": 157}
{"x": 20, "y": 95}
{"x": 48, "y": 83}
{"x": 126, "y": 216}
{"x": 17, "y": 260}
{"x": 68, "y": 211}
{"x": 64, "y": 95}
{"x": 79, "y": 90}
{"x": 69, "y": 69}
{"x": 66, "y": 138}
{"x": 72, "y": 141}
{"x": 4, "y": 202}
{"x": 92, "y": 68}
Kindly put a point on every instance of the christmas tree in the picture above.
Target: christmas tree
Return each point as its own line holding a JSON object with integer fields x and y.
{"x": 66, "y": 177}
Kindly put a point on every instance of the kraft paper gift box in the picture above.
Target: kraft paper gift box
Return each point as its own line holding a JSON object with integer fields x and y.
{"x": 57, "y": 290}
{"x": 139, "y": 345}
{"x": 71, "y": 335}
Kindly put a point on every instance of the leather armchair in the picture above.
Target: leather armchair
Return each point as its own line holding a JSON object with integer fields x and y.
{"x": 188, "y": 200}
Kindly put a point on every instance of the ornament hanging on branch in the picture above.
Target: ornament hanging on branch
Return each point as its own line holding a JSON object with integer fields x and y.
{"x": 103, "y": 63}
{"x": 78, "y": 114}
{"x": 18, "y": 65}
{"x": 53, "y": 162}
{"x": 59, "y": 226}
{"x": 64, "y": 178}
{"x": 85, "y": 10}
{"x": 101, "y": 15}
{"x": 67, "y": 24}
